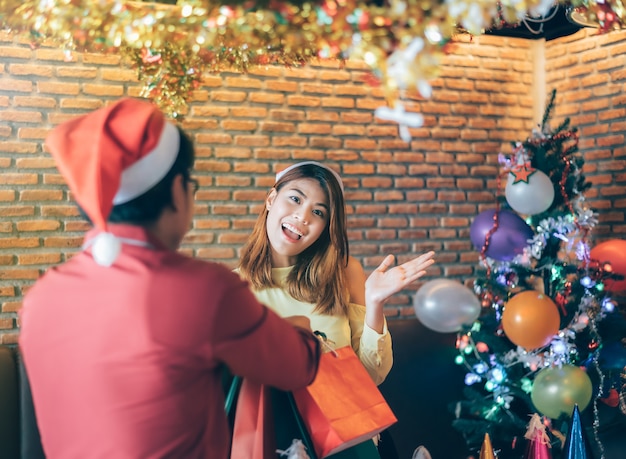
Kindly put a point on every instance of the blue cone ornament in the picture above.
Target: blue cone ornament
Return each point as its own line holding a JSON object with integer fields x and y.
{"x": 576, "y": 444}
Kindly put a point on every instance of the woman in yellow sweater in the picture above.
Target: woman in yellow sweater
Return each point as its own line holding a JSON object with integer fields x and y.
{"x": 297, "y": 262}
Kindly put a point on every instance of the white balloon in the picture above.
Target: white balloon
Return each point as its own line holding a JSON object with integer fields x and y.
{"x": 530, "y": 198}
{"x": 445, "y": 305}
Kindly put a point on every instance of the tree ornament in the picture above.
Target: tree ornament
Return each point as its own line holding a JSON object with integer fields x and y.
{"x": 522, "y": 172}
{"x": 612, "y": 399}
{"x": 538, "y": 446}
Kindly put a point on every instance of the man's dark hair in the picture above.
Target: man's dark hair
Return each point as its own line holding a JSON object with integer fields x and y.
{"x": 147, "y": 208}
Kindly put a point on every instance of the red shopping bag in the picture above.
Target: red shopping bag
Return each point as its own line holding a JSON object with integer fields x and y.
{"x": 253, "y": 432}
{"x": 342, "y": 407}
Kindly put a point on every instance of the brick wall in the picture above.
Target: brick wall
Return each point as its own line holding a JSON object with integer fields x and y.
{"x": 403, "y": 198}
{"x": 589, "y": 71}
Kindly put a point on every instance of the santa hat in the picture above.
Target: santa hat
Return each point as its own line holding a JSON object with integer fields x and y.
{"x": 111, "y": 156}
{"x": 312, "y": 163}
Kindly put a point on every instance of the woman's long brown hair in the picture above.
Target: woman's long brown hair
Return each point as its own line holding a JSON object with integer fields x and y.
{"x": 318, "y": 276}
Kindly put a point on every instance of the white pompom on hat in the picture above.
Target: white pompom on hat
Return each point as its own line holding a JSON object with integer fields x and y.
{"x": 111, "y": 156}
{"x": 280, "y": 174}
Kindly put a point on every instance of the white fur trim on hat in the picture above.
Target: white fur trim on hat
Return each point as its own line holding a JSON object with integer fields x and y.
{"x": 314, "y": 163}
{"x": 149, "y": 170}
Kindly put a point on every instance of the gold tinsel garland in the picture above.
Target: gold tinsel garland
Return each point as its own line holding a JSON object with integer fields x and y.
{"x": 173, "y": 45}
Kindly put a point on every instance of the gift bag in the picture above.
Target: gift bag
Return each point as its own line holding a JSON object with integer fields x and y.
{"x": 342, "y": 407}
{"x": 253, "y": 432}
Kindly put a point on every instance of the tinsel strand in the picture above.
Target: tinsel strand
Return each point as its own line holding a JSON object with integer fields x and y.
{"x": 622, "y": 394}
{"x": 596, "y": 415}
{"x": 494, "y": 228}
{"x": 566, "y": 170}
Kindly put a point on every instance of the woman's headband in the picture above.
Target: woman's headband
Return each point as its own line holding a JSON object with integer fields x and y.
{"x": 280, "y": 174}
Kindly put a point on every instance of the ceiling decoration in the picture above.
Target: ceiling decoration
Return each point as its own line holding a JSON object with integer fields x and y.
{"x": 172, "y": 44}
{"x": 557, "y": 23}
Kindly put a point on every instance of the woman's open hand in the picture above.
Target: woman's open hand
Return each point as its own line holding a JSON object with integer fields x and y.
{"x": 385, "y": 281}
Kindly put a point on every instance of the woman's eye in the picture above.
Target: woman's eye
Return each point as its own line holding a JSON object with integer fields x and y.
{"x": 295, "y": 199}
{"x": 319, "y": 213}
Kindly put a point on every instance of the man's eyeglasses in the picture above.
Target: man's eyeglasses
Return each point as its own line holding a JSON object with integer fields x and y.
{"x": 194, "y": 184}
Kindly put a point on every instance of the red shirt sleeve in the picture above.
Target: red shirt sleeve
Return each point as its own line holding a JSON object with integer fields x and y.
{"x": 254, "y": 342}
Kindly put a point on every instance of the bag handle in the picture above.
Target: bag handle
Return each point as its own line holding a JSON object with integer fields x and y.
{"x": 231, "y": 396}
{"x": 321, "y": 336}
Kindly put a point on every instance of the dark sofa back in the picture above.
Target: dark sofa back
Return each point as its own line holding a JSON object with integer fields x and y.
{"x": 422, "y": 381}
{"x": 9, "y": 405}
{"x": 19, "y": 434}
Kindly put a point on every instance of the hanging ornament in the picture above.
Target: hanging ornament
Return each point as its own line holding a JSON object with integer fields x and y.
{"x": 576, "y": 443}
{"x": 539, "y": 443}
{"x": 612, "y": 399}
{"x": 522, "y": 172}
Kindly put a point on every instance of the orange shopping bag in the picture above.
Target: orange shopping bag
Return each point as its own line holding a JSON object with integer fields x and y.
{"x": 342, "y": 407}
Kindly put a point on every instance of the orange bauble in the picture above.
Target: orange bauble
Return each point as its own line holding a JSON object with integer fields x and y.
{"x": 530, "y": 319}
{"x": 614, "y": 253}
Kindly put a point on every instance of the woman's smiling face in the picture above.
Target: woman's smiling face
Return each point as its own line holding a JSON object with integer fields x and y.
{"x": 297, "y": 216}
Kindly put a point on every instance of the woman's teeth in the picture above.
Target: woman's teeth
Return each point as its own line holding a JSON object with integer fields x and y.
{"x": 293, "y": 230}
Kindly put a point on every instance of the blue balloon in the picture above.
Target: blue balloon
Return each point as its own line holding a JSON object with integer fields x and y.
{"x": 507, "y": 241}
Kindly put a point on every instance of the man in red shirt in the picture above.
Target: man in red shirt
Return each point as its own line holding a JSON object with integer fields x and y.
{"x": 125, "y": 343}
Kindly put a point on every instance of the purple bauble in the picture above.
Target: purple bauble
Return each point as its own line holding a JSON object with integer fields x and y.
{"x": 507, "y": 241}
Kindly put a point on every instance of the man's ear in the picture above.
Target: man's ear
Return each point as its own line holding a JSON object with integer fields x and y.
{"x": 178, "y": 192}
{"x": 270, "y": 198}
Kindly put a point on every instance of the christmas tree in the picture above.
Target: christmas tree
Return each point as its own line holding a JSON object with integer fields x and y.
{"x": 550, "y": 333}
